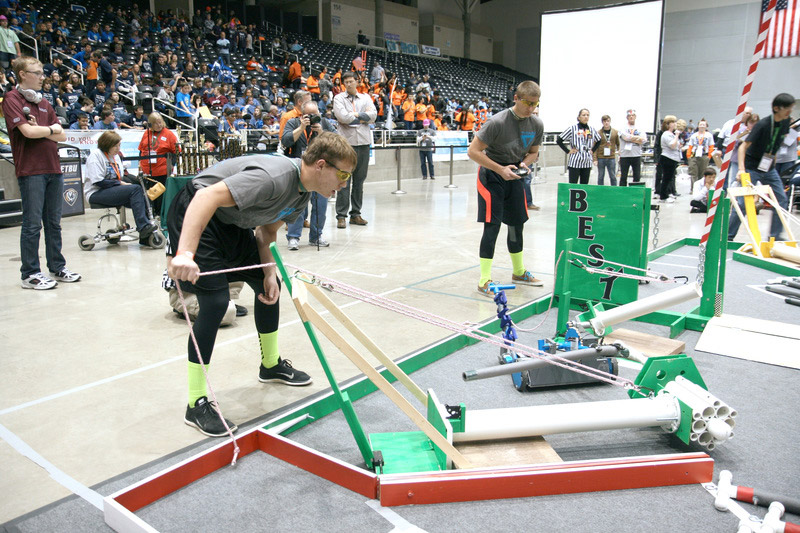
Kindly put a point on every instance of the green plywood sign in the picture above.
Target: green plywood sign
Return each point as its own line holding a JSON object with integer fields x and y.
{"x": 608, "y": 224}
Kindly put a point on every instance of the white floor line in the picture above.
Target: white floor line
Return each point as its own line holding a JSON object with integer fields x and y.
{"x": 58, "y": 475}
{"x": 401, "y": 525}
{"x": 683, "y": 256}
{"x": 182, "y": 357}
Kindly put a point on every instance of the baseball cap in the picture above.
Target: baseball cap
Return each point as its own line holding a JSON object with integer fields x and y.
{"x": 426, "y": 122}
{"x": 3, "y": 17}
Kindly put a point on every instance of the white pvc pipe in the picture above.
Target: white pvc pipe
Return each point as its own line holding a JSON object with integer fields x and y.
{"x": 516, "y": 422}
{"x": 788, "y": 253}
{"x": 681, "y": 294}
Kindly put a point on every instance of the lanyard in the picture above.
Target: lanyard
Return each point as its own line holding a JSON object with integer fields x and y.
{"x": 114, "y": 166}
{"x": 774, "y": 134}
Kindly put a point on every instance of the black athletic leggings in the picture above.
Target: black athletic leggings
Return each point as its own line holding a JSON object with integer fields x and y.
{"x": 213, "y": 305}
{"x": 490, "y": 233}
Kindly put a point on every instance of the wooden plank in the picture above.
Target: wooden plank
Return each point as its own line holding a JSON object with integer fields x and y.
{"x": 319, "y": 464}
{"x": 182, "y": 474}
{"x": 649, "y": 345}
{"x": 564, "y": 478}
{"x": 373, "y": 348}
{"x": 525, "y": 451}
{"x": 357, "y": 359}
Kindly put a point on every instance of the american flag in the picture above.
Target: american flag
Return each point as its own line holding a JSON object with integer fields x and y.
{"x": 783, "y": 36}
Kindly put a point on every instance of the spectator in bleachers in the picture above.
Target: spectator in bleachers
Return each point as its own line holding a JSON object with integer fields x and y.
{"x": 81, "y": 59}
{"x": 185, "y": 111}
{"x": 136, "y": 120}
{"x": 94, "y": 33}
{"x": 99, "y": 94}
{"x": 420, "y": 112}
{"x": 228, "y": 124}
{"x": 312, "y": 84}
{"x": 107, "y": 121}
{"x": 294, "y": 76}
{"x": 68, "y": 96}
{"x": 83, "y": 122}
{"x": 107, "y": 36}
{"x": 224, "y": 48}
{"x": 63, "y": 29}
{"x": 82, "y": 106}
{"x": 256, "y": 121}
{"x": 324, "y": 103}
{"x": 378, "y": 74}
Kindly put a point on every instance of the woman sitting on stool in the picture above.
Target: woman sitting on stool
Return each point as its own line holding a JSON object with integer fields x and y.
{"x": 104, "y": 186}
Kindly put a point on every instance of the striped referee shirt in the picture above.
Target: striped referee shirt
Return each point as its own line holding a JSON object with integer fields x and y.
{"x": 582, "y": 138}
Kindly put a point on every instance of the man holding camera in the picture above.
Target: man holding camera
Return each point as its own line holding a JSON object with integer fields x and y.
{"x": 298, "y": 133}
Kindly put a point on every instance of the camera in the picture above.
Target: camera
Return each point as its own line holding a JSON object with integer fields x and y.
{"x": 314, "y": 119}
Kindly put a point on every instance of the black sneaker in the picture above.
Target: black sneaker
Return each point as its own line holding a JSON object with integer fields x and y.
{"x": 205, "y": 417}
{"x": 285, "y": 373}
{"x": 241, "y": 310}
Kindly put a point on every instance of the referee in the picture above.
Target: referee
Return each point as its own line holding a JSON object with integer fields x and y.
{"x": 508, "y": 141}
{"x": 583, "y": 140}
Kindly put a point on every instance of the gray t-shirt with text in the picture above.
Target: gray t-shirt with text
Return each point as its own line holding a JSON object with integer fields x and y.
{"x": 509, "y": 139}
{"x": 266, "y": 189}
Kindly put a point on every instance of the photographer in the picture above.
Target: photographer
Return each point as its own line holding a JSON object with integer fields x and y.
{"x": 298, "y": 133}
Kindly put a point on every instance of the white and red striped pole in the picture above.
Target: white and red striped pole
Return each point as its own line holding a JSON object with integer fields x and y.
{"x": 748, "y": 84}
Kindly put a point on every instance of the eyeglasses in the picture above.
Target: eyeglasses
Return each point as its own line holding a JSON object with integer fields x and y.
{"x": 529, "y": 103}
{"x": 39, "y": 73}
{"x": 343, "y": 175}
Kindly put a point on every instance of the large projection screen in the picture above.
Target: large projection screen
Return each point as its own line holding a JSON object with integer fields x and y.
{"x": 605, "y": 59}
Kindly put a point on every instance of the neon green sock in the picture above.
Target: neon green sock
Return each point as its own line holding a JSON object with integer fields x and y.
{"x": 486, "y": 271}
{"x": 197, "y": 383}
{"x": 269, "y": 349}
{"x": 517, "y": 263}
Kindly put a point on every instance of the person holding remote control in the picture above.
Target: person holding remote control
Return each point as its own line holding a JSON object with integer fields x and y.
{"x": 505, "y": 147}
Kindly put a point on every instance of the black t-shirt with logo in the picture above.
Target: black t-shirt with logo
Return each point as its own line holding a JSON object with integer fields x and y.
{"x": 765, "y": 137}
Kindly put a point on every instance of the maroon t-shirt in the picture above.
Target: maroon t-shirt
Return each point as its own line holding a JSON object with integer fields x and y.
{"x": 31, "y": 156}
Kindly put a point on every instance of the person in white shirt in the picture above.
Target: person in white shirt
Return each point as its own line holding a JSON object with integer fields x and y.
{"x": 354, "y": 112}
{"x": 701, "y": 144}
{"x": 631, "y": 140}
{"x": 725, "y": 134}
{"x": 699, "y": 201}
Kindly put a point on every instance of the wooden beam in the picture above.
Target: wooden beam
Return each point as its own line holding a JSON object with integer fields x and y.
{"x": 319, "y": 464}
{"x": 373, "y": 348}
{"x": 564, "y": 478}
{"x": 363, "y": 365}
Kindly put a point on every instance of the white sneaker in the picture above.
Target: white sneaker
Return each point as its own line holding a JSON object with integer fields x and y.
{"x": 38, "y": 282}
{"x": 671, "y": 200}
{"x": 66, "y": 276}
{"x": 230, "y": 314}
{"x": 294, "y": 244}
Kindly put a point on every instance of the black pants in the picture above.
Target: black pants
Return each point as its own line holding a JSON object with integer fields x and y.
{"x": 626, "y": 163}
{"x": 579, "y": 175}
{"x": 668, "y": 168}
{"x": 489, "y": 239}
{"x": 699, "y": 207}
{"x": 221, "y": 246}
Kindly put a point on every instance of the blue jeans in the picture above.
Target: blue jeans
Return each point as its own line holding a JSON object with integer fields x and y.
{"x": 41, "y": 205}
{"x": 772, "y": 179}
{"x": 426, "y": 161}
{"x": 319, "y": 208}
{"x": 127, "y": 195}
{"x": 604, "y": 164}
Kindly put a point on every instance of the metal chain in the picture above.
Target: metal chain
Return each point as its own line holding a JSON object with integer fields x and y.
{"x": 656, "y": 221}
{"x": 701, "y": 267}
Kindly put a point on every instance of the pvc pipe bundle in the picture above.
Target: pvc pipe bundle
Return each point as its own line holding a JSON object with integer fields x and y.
{"x": 712, "y": 419}
{"x": 681, "y": 294}
{"x": 491, "y": 424}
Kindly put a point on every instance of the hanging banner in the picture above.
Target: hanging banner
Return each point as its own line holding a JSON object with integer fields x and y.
{"x": 431, "y": 50}
{"x": 86, "y": 141}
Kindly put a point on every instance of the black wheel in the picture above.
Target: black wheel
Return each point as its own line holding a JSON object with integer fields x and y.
{"x": 110, "y": 239}
{"x": 156, "y": 240}
{"x": 86, "y": 242}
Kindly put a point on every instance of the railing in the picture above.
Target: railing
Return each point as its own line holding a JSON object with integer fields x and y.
{"x": 480, "y": 68}
{"x": 35, "y": 46}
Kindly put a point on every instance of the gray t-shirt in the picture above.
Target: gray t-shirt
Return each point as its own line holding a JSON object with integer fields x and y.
{"x": 509, "y": 139}
{"x": 266, "y": 189}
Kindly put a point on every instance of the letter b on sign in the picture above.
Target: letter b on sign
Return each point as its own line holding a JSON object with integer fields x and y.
{"x": 577, "y": 201}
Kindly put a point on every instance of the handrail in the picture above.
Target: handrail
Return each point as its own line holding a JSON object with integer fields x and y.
{"x": 35, "y": 46}
{"x": 74, "y": 71}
